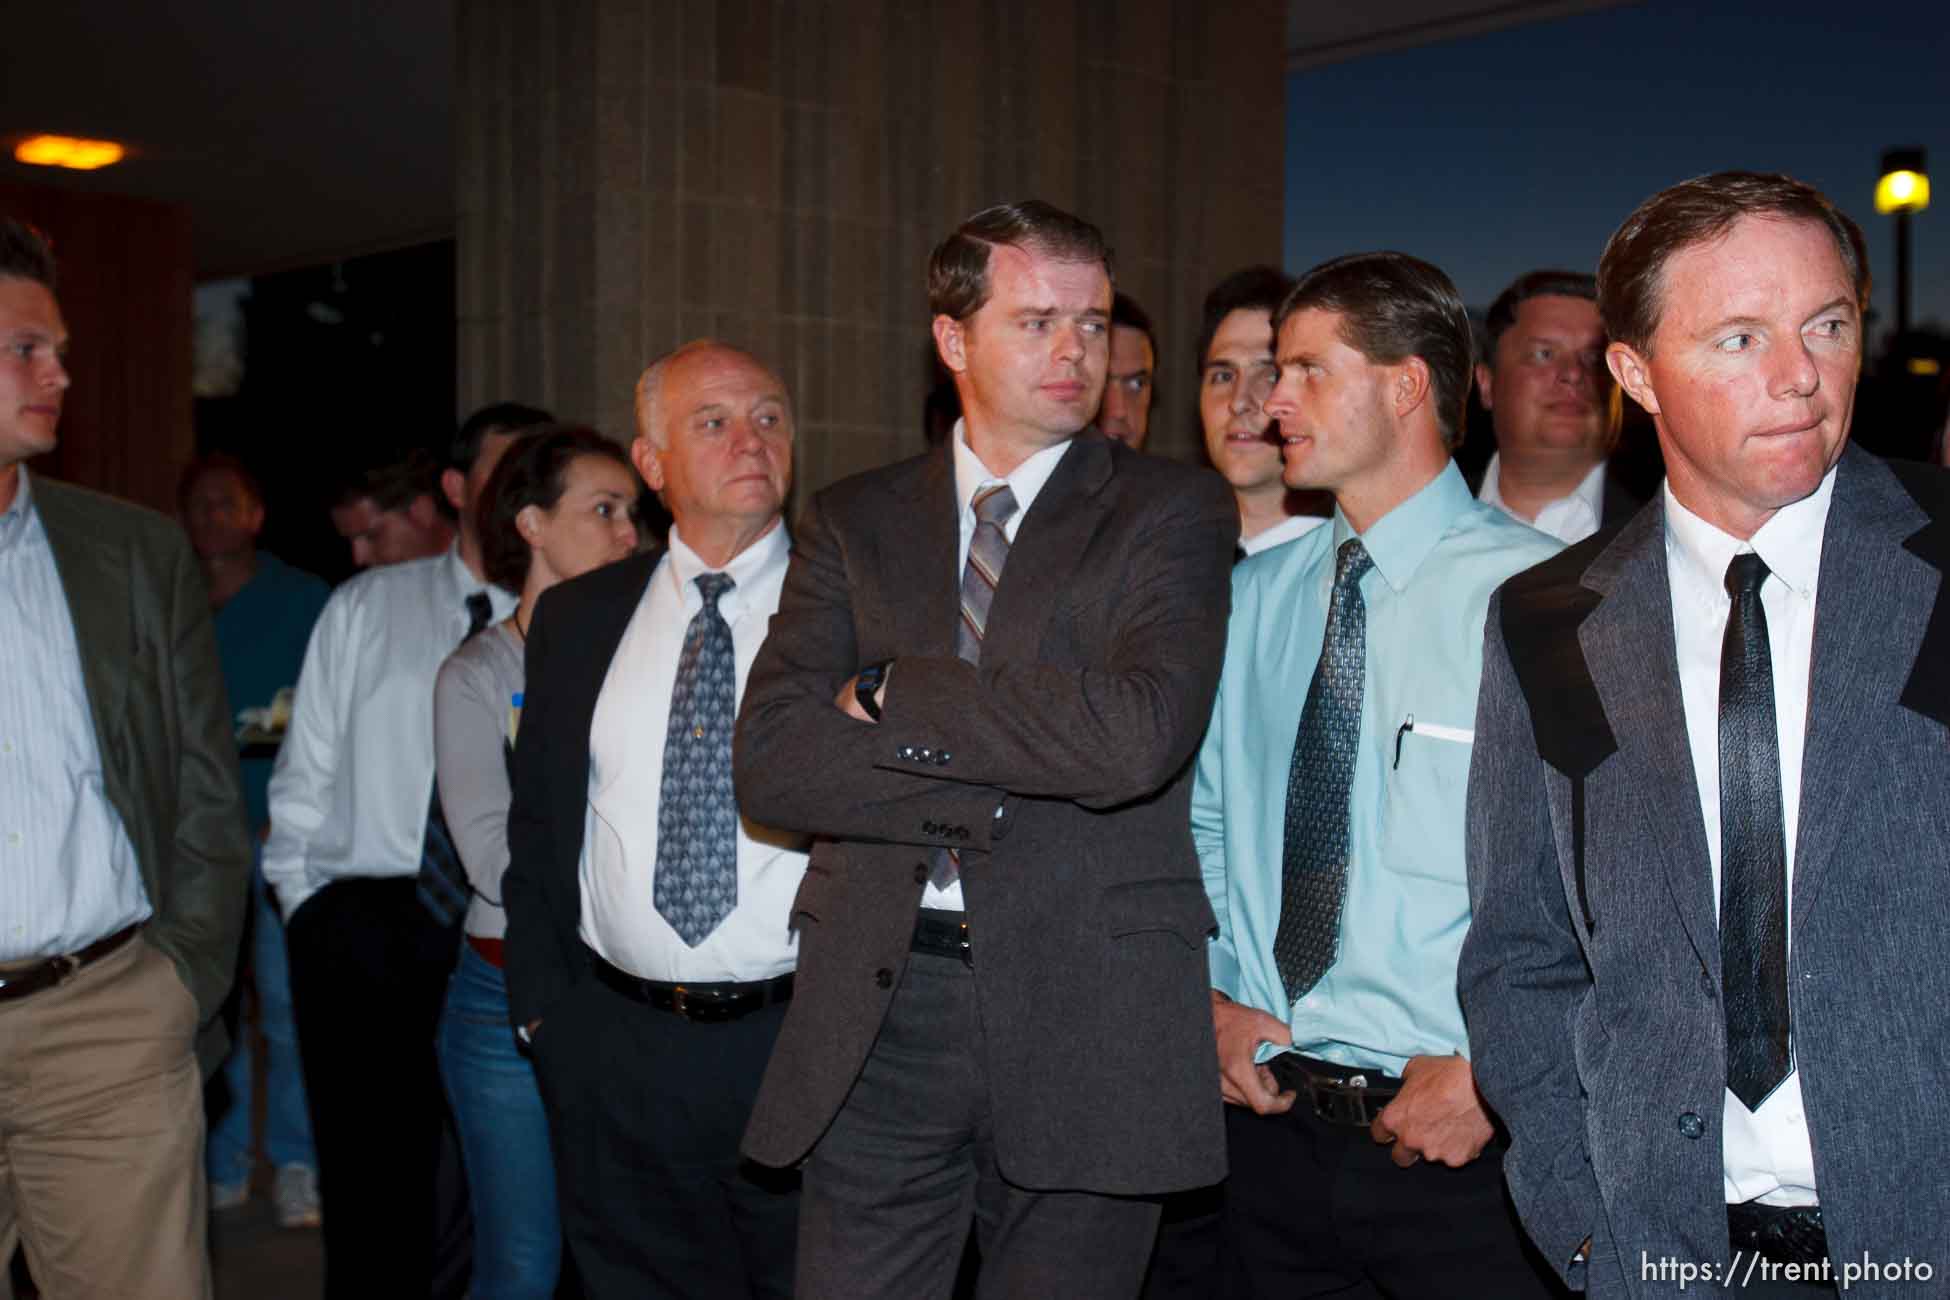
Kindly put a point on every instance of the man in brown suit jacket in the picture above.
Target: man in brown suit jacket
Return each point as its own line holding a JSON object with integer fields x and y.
{"x": 1031, "y": 1053}
{"x": 123, "y": 852}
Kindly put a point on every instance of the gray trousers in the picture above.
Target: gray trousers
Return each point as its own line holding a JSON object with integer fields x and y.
{"x": 893, "y": 1187}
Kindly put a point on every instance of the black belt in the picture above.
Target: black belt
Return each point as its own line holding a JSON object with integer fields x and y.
{"x": 942, "y": 933}
{"x": 1341, "y": 1094}
{"x": 46, "y": 974}
{"x": 705, "y": 1004}
{"x": 1785, "y": 1234}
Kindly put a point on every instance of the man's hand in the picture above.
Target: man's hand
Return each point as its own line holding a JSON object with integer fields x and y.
{"x": 1437, "y": 1116}
{"x": 1239, "y": 1031}
{"x": 848, "y": 700}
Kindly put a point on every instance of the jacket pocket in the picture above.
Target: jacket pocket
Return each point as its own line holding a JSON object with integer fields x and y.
{"x": 1179, "y": 907}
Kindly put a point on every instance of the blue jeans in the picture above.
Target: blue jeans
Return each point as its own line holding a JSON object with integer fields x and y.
{"x": 287, "y": 1122}
{"x": 503, "y": 1138}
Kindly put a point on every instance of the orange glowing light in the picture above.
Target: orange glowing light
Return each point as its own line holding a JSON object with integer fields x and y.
{"x": 68, "y": 151}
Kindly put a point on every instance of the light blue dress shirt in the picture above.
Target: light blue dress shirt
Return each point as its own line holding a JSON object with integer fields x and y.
{"x": 1391, "y": 992}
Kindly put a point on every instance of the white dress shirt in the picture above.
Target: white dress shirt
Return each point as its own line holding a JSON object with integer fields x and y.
{"x": 971, "y": 476}
{"x": 1767, "y": 1151}
{"x": 68, "y": 870}
{"x": 1570, "y": 519}
{"x": 1289, "y": 529}
{"x": 618, "y": 869}
{"x": 354, "y": 777}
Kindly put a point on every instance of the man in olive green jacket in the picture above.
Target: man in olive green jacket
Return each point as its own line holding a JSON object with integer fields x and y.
{"x": 123, "y": 852}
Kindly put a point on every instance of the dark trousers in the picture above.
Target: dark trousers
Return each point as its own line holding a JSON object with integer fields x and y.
{"x": 645, "y": 1111}
{"x": 1191, "y": 1240}
{"x": 369, "y": 970}
{"x": 909, "y": 1164}
{"x": 1315, "y": 1208}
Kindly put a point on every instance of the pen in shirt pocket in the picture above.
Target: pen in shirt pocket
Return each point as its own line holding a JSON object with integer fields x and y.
{"x": 1434, "y": 731}
{"x": 514, "y": 716}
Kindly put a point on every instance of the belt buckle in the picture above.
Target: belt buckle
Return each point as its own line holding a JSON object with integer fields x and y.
{"x": 680, "y": 1002}
{"x": 1342, "y": 1101}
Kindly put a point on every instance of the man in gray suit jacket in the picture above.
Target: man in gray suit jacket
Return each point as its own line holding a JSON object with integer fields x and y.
{"x": 123, "y": 852}
{"x": 1705, "y": 984}
{"x": 1032, "y": 1052}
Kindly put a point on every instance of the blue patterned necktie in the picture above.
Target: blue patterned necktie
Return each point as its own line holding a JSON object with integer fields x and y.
{"x": 697, "y": 816}
{"x": 988, "y": 551}
{"x": 1313, "y": 875}
{"x": 442, "y": 885}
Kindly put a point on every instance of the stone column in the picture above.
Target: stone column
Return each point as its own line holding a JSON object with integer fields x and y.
{"x": 775, "y": 172}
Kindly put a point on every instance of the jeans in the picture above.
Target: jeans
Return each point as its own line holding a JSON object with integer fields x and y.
{"x": 287, "y": 1123}
{"x": 503, "y": 1137}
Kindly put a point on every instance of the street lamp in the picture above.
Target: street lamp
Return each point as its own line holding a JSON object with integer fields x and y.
{"x": 1904, "y": 188}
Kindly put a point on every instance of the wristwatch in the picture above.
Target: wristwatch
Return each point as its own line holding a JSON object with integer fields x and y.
{"x": 866, "y": 687}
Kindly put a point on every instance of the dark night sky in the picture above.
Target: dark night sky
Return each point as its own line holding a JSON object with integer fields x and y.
{"x": 1526, "y": 147}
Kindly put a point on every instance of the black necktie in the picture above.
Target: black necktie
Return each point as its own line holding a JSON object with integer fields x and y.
{"x": 443, "y": 886}
{"x": 1753, "y": 847}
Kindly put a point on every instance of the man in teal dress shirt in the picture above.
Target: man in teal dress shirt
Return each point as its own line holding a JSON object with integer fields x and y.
{"x": 1328, "y": 817}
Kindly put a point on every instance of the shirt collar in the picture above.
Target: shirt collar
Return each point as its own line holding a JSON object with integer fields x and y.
{"x": 1400, "y": 540}
{"x": 1590, "y": 490}
{"x": 1024, "y": 483}
{"x": 762, "y": 558}
{"x": 1288, "y": 529}
{"x": 1789, "y": 543}
{"x": 13, "y": 520}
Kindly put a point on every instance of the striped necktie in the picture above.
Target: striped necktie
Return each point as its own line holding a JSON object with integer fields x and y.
{"x": 988, "y": 551}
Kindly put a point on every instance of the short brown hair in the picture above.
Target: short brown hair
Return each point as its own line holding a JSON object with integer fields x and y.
{"x": 1631, "y": 274}
{"x": 1393, "y": 307}
{"x": 26, "y": 253}
{"x": 1534, "y": 284}
{"x": 958, "y": 272}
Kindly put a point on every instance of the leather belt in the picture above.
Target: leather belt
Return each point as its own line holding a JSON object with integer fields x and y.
{"x": 943, "y": 933}
{"x": 46, "y": 974}
{"x": 704, "y": 1004}
{"x": 1341, "y": 1094}
{"x": 1785, "y": 1234}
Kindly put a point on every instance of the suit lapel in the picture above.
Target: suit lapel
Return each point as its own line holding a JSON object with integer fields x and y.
{"x": 95, "y": 577}
{"x": 1880, "y": 588}
{"x": 921, "y": 561}
{"x": 1049, "y": 545}
{"x": 1628, "y": 643}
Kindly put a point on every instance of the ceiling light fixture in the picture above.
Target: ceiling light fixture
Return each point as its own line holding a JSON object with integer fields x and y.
{"x": 68, "y": 151}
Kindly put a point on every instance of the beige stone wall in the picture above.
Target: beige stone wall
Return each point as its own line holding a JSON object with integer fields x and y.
{"x": 775, "y": 172}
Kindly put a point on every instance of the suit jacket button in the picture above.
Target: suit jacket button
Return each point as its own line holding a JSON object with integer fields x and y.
{"x": 928, "y": 828}
{"x": 920, "y": 873}
{"x": 924, "y": 753}
{"x": 941, "y": 759}
{"x": 884, "y": 978}
{"x": 1692, "y": 1126}
{"x": 905, "y": 752}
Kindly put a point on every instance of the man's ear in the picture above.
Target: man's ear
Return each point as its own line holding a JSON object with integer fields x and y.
{"x": 951, "y": 343}
{"x": 648, "y": 463}
{"x": 1633, "y": 373}
{"x": 1409, "y": 386}
{"x": 1485, "y": 380}
{"x": 254, "y": 518}
{"x": 453, "y": 485}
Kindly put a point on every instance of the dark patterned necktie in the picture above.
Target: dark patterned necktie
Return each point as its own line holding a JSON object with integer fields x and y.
{"x": 442, "y": 884}
{"x": 697, "y": 815}
{"x": 1753, "y": 847}
{"x": 1313, "y": 873}
{"x": 988, "y": 551}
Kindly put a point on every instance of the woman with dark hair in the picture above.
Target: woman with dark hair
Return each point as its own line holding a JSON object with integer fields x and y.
{"x": 557, "y": 505}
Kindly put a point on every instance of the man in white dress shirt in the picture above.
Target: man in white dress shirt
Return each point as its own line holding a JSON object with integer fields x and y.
{"x": 1555, "y": 410}
{"x": 369, "y": 962}
{"x": 648, "y": 956}
{"x": 1707, "y": 803}
{"x": 1236, "y": 374}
